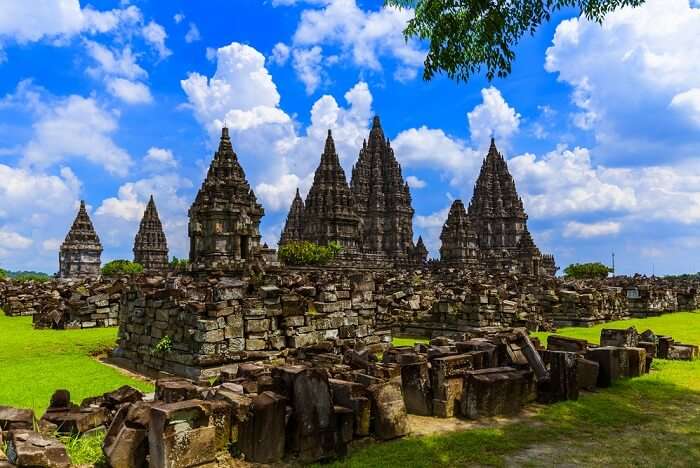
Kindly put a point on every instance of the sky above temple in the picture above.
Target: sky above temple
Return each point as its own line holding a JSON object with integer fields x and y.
{"x": 113, "y": 101}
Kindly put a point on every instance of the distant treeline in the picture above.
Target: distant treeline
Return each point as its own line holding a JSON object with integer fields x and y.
{"x": 24, "y": 275}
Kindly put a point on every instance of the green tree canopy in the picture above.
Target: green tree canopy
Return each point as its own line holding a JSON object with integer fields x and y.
{"x": 307, "y": 253}
{"x": 466, "y": 35}
{"x": 594, "y": 270}
{"x": 121, "y": 267}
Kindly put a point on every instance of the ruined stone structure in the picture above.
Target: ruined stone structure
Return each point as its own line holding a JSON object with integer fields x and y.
{"x": 382, "y": 198}
{"x": 79, "y": 256}
{"x": 294, "y": 226}
{"x": 150, "y": 245}
{"x": 224, "y": 226}
{"x": 459, "y": 242}
{"x": 329, "y": 211}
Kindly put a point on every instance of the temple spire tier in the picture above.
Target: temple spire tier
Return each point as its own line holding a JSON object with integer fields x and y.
{"x": 459, "y": 241}
{"x": 294, "y": 226}
{"x": 150, "y": 244}
{"x": 79, "y": 255}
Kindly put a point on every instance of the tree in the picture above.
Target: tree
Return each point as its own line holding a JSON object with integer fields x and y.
{"x": 465, "y": 35}
{"x": 121, "y": 267}
{"x": 587, "y": 271}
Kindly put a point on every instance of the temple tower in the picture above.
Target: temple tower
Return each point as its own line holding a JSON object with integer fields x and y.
{"x": 459, "y": 242}
{"x": 382, "y": 198}
{"x": 79, "y": 256}
{"x": 294, "y": 226}
{"x": 496, "y": 210}
{"x": 224, "y": 226}
{"x": 329, "y": 212}
{"x": 419, "y": 253}
{"x": 150, "y": 245}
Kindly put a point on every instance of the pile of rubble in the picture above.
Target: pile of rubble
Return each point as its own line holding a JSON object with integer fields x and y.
{"x": 309, "y": 406}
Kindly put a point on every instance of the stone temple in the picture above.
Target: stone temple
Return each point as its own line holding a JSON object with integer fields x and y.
{"x": 372, "y": 218}
{"x": 224, "y": 225}
{"x": 79, "y": 256}
{"x": 495, "y": 224}
{"x": 150, "y": 245}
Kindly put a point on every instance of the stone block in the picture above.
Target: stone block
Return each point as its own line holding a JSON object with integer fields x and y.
{"x": 586, "y": 373}
{"x": 390, "y": 418}
{"x": 76, "y": 420}
{"x": 562, "y": 384}
{"x": 565, "y": 343}
{"x": 619, "y": 337}
{"x": 612, "y": 362}
{"x": 495, "y": 391}
{"x": 16, "y": 418}
{"x": 417, "y": 391}
{"x": 31, "y": 449}
{"x": 171, "y": 390}
{"x": 262, "y": 435}
{"x": 637, "y": 359}
{"x": 257, "y": 326}
{"x": 179, "y": 435}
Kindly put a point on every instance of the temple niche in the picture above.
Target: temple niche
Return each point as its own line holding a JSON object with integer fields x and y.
{"x": 224, "y": 220}
{"x": 79, "y": 256}
{"x": 329, "y": 210}
{"x": 150, "y": 245}
{"x": 382, "y": 198}
{"x": 459, "y": 243}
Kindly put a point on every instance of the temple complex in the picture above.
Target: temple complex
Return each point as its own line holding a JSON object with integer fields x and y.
{"x": 382, "y": 198}
{"x": 150, "y": 245}
{"x": 224, "y": 225}
{"x": 459, "y": 242}
{"x": 79, "y": 256}
{"x": 329, "y": 211}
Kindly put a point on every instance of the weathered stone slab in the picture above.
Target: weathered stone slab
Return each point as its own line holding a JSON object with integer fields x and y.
{"x": 262, "y": 436}
{"x": 390, "y": 419}
{"x": 31, "y": 449}
{"x": 612, "y": 361}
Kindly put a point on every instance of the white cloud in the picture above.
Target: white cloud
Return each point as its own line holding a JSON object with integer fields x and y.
{"x": 689, "y": 103}
{"x": 493, "y": 117}
{"x": 362, "y": 36}
{"x": 192, "y": 34}
{"x": 587, "y": 230}
{"x": 157, "y": 159}
{"x": 629, "y": 71}
{"x": 178, "y": 17}
{"x": 431, "y": 227}
{"x": 277, "y": 195}
{"x": 76, "y": 127}
{"x": 131, "y": 92}
{"x": 280, "y": 54}
{"x": 155, "y": 35}
{"x": 415, "y": 182}
{"x": 51, "y": 245}
{"x": 12, "y": 240}
{"x": 114, "y": 63}
{"x": 308, "y": 65}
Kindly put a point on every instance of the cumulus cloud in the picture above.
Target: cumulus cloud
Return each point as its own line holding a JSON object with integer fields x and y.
{"x": 159, "y": 158}
{"x": 641, "y": 63}
{"x": 76, "y": 127}
{"x": 131, "y": 92}
{"x": 492, "y": 118}
{"x": 155, "y": 35}
{"x": 118, "y": 63}
{"x": 415, "y": 183}
{"x": 587, "y": 230}
{"x": 308, "y": 66}
{"x": 280, "y": 54}
{"x": 192, "y": 34}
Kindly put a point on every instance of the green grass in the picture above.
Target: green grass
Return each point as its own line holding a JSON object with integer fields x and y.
{"x": 86, "y": 450}
{"x": 649, "y": 421}
{"x": 34, "y": 363}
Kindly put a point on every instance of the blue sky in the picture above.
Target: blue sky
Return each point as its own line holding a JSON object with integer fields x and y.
{"x": 111, "y": 101}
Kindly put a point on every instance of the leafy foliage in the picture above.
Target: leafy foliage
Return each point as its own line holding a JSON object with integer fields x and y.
{"x": 28, "y": 276}
{"x": 179, "y": 263}
{"x": 3, "y": 274}
{"x": 164, "y": 345}
{"x": 307, "y": 253}
{"x": 594, "y": 270}
{"x": 466, "y": 35}
{"x": 121, "y": 267}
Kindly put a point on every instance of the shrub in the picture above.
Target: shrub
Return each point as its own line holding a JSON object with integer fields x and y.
{"x": 29, "y": 276}
{"x": 164, "y": 345}
{"x": 3, "y": 274}
{"x": 587, "y": 271}
{"x": 121, "y": 267}
{"x": 307, "y": 253}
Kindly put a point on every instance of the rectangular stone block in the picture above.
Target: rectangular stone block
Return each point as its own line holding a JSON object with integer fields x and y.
{"x": 612, "y": 361}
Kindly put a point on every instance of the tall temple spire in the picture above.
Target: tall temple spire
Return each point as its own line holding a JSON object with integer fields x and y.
{"x": 329, "y": 213}
{"x": 80, "y": 252}
{"x": 382, "y": 197}
{"x": 294, "y": 226}
{"x": 150, "y": 244}
{"x": 224, "y": 225}
{"x": 459, "y": 243}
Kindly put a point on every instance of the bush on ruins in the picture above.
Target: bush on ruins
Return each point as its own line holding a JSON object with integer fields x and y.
{"x": 587, "y": 270}
{"x": 121, "y": 267}
{"x": 307, "y": 253}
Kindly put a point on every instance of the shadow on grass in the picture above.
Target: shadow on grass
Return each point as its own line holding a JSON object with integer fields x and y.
{"x": 647, "y": 406}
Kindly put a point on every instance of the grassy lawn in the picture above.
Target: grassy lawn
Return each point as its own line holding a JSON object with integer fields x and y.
{"x": 650, "y": 421}
{"x": 34, "y": 363}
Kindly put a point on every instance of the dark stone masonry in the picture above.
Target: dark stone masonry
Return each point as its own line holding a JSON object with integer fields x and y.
{"x": 150, "y": 245}
{"x": 79, "y": 256}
